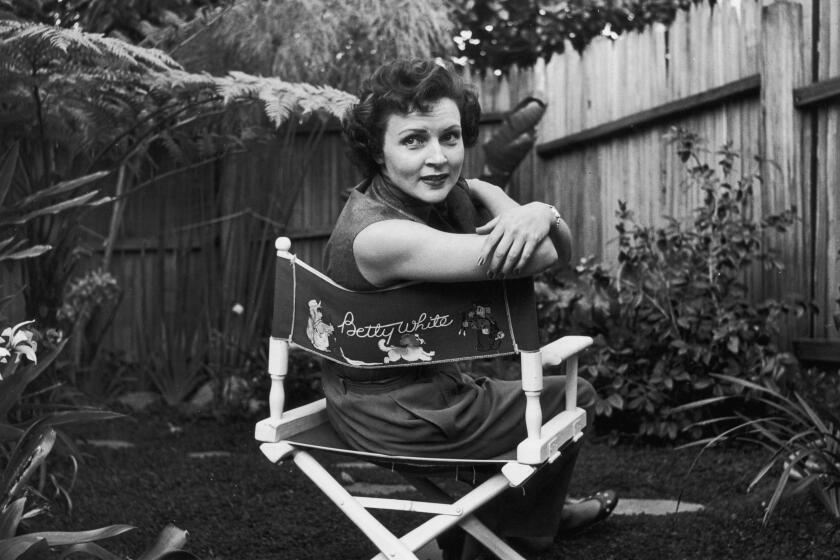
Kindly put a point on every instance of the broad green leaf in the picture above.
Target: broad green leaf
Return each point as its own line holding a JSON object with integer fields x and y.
{"x": 812, "y": 415}
{"x": 170, "y": 539}
{"x": 32, "y": 448}
{"x": 782, "y": 484}
{"x": 762, "y": 472}
{"x": 698, "y": 404}
{"x": 80, "y": 200}
{"x": 63, "y": 187}
{"x": 10, "y": 518}
{"x": 64, "y": 538}
{"x": 23, "y": 548}
{"x": 79, "y": 416}
{"x": 87, "y": 550}
{"x": 7, "y": 170}
{"x": 28, "y": 253}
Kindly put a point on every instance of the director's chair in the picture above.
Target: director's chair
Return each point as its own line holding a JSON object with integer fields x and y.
{"x": 404, "y": 326}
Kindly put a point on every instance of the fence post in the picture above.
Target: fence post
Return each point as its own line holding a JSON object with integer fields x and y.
{"x": 782, "y": 141}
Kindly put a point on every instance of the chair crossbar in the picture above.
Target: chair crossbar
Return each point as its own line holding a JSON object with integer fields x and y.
{"x": 489, "y": 539}
{"x": 408, "y": 505}
{"x": 470, "y": 524}
{"x": 469, "y": 503}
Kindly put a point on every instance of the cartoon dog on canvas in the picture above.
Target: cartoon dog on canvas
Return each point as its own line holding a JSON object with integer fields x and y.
{"x": 410, "y": 349}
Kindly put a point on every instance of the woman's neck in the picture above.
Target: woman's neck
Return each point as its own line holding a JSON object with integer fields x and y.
{"x": 390, "y": 194}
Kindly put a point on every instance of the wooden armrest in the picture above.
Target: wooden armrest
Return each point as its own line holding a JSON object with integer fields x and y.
{"x": 555, "y": 353}
{"x": 292, "y": 422}
{"x": 565, "y": 426}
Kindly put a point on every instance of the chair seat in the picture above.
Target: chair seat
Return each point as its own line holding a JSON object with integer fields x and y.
{"x": 324, "y": 438}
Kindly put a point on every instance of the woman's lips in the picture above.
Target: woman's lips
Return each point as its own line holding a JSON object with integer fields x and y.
{"x": 435, "y": 179}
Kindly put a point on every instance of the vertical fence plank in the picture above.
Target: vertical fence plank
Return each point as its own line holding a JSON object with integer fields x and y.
{"x": 782, "y": 136}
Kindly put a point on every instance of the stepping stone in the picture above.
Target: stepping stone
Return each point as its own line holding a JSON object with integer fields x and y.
{"x": 355, "y": 465}
{"x": 110, "y": 443}
{"x": 368, "y": 489}
{"x": 630, "y": 506}
{"x": 208, "y": 454}
{"x": 138, "y": 400}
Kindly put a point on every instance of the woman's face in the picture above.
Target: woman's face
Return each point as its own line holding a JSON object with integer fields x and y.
{"x": 422, "y": 152}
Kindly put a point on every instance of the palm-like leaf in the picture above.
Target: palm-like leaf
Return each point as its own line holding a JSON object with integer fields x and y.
{"x": 805, "y": 444}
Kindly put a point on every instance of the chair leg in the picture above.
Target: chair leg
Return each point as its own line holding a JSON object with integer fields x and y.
{"x": 467, "y": 504}
{"x": 470, "y": 524}
{"x": 489, "y": 539}
{"x": 392, "y": 548}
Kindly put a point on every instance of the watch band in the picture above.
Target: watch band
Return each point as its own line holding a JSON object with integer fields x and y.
{"x": 555, "y": 231}
{"x": 558, "y": 219}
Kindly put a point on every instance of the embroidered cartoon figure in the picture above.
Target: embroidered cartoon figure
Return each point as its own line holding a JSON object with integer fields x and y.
{"x": 409, "y": 349}
{"x": 487, "y": 332}
{"x": 317, "y": 329}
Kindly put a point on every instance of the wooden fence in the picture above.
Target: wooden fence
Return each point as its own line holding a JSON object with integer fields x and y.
{"x": 764, "y": 75}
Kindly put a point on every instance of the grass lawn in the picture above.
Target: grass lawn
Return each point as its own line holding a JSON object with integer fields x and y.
{"x": 237, "y": 505}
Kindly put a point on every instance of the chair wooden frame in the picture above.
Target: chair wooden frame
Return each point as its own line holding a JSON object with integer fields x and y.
{"x": 281, "y": 434}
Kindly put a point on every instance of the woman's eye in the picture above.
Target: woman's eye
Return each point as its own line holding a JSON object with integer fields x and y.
{"x": 412, "y": 140}
{"x": 451, "y": 137}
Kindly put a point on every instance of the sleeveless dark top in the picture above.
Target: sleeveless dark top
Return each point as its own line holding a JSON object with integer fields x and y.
{"x": 376, "y": 200}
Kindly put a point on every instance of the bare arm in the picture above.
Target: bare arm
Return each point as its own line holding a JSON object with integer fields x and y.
{"x": 393, "y": 251}
{"x": 515, "y": 232}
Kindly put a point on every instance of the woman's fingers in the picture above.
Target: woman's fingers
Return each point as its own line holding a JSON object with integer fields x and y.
{"x": 513, "y": 256}
{"x": 528, "y": 249}
{"x": 489, "y": 246}
{"x": 499, "y": 256}
{"x": 488, "y": 227}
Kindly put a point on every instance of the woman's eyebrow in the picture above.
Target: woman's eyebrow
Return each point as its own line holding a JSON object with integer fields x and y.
{"x": 414, "y": 130}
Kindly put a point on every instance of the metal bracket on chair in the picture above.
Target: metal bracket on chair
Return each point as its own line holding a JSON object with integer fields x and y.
{"x": 517, "y": 473}
{"x": 277, "y": 451}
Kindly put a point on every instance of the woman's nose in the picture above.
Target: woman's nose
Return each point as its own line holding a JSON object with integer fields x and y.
{"x": 435, "y": 155}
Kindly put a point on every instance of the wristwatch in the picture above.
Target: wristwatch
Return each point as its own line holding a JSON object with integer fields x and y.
{"x": 558, "y": 219}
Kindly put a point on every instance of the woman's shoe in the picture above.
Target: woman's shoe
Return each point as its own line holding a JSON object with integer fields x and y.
{"x": 607, "y": 500}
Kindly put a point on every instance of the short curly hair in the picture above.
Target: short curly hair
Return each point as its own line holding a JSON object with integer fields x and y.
{"x": 403, "y": 86}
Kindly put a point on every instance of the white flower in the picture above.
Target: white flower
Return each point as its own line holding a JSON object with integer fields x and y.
{"x": 18, "y": 341}
{"x": 238, "y": 309}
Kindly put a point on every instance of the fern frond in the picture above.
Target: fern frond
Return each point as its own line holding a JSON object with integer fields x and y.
{"x": 284, "y": 100}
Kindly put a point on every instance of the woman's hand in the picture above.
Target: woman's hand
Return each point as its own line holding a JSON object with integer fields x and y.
{"x": 512, "y": 237}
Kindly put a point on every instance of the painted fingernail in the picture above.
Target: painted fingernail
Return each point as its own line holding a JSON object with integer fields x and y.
{"x": 491, "y": 274}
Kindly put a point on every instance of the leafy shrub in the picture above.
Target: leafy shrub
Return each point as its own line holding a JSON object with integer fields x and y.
{"x": 677, "y": 308}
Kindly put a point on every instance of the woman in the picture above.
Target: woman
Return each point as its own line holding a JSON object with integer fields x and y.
{"x": 414, "y": 218}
